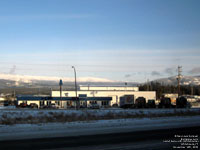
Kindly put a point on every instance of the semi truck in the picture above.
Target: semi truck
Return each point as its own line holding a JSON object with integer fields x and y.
{"x": 127, "y": 101}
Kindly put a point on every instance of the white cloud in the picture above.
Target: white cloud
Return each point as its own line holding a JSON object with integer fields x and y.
{"x": 27, "y": 78}
{"x": 155, "y": 73}
{"x": 111, "y": 64}
{"x": 195, "y": 70}
{"x": 170, "y": 71}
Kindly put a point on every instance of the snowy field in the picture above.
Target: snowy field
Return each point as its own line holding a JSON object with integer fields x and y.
{"x": 36, "y": 116}
{"x": 38, "y": 123}
{"x": 47, "y": 130}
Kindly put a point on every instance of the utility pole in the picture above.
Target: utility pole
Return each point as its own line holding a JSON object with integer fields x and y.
{"x": 50, "y": 92}
{"x": 61, "y": 84}
{"x": 14, "y": 96}
{"x": 38, "y": 91}
{"x": 192, "y": 90}
{"x": 77, "y": 103}
{"x": 179, "y": 79}
{"x": 147, "y": 84}
{"x": 125, "y": 86}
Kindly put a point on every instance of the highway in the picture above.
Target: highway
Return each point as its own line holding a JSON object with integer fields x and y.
{"x": 148, "y": 140}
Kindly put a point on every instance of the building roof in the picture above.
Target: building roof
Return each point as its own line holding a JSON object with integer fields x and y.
{"x": 107, "y": 86}
{"x": 39, "y": 98}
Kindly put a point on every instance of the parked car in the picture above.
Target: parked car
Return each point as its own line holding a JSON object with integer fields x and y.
{"x": 71, "y": 107}
{"x": 115, "y": 105}
{"x": 54, "y": 106}
{"x": 94, "y": 106}
{"x": 33, "y": 105}
{"x": 83, "y": 106}
{"x": 51, "y": 106}
{"x": 22, "y": 105}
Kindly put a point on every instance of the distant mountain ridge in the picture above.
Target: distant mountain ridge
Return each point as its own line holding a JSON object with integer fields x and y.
{"x": 11, "y": 81}
{"x": 185, "y": 80}
{"x": 8, "y": 80}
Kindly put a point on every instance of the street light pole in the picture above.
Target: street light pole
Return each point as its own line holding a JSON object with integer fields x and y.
{"x": 60, "y": 84}
{"x": 77, "y": 104}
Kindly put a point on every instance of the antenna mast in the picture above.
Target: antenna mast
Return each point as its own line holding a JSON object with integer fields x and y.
{"x": 179, "y": 79}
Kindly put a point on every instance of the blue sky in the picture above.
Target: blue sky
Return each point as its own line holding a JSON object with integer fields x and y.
{"x": 124, "y": 40}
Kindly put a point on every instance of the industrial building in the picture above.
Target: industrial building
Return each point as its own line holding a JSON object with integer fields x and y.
{"x": 108, "y": 88}
{"x": 45, "y": 101}
{"x": 114, "y": 92}
{"x": 172, "y": 96}
{"x": 104, "y": 96}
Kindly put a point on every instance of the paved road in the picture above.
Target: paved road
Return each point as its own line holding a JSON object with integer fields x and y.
{"x": 146, "y": 140}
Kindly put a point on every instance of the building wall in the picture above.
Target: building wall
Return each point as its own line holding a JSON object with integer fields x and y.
{"x": 103, "y": 88}
{"x": 172, "y": 96}
{"x": 2, "y": 99}
{"x": 29, "y": 102}
{"x": 114, "y": 94}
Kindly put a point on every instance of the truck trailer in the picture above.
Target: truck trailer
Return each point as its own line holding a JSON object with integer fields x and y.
{"x": 127, "y": 101}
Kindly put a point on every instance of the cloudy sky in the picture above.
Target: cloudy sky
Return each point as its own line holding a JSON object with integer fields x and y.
{"x": 123, "y": 40}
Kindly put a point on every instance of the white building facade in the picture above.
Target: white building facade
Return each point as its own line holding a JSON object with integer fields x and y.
{"x": 100, "y": 91}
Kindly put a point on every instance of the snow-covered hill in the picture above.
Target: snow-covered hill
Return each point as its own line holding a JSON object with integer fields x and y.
{"x": 10, "y": 80}
{"x": 185, "y": 80}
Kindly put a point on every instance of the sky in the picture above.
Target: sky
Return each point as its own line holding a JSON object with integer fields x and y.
{"x": 120, "y": 40}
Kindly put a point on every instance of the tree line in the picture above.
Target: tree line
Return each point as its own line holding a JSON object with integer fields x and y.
{"x": 162, "y": 88}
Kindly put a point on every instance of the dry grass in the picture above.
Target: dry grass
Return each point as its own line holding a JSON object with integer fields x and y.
{"x": 52, "y": 116}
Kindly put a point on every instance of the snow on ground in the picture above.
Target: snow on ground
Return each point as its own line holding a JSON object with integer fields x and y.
{"x": 30, "y": 131}
{"x": 35, "y": 116}
{"x": 99, "y": 112}
{"x": 38, "y": 123}
{"x": 7, "y": 107}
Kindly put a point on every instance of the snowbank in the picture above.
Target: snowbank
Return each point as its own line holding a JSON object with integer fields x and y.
{"x": 24, "y": 116}
{"x": 31, "y": 131}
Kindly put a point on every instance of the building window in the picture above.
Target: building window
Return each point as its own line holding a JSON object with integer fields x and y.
{"x": 58, "y": 102}
{"x": 82, "y": 95}
{"x": 41, "y": 103}
{"x": 69, "y": 103}
{"x": 48, "y": 102}
{"x": 104, "y": 103}
{"x": 93, "y": 102}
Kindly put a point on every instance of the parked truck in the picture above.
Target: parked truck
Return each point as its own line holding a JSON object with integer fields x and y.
{"x": 165, "y": 102}
{"x": 127, "y": 101}
{"x": 181, "y": 102}
{"x": 140, "y": 102}
{"x": 151, "y": 103}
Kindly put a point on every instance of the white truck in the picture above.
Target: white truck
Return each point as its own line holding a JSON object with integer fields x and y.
{"x": 127, "y": 101}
